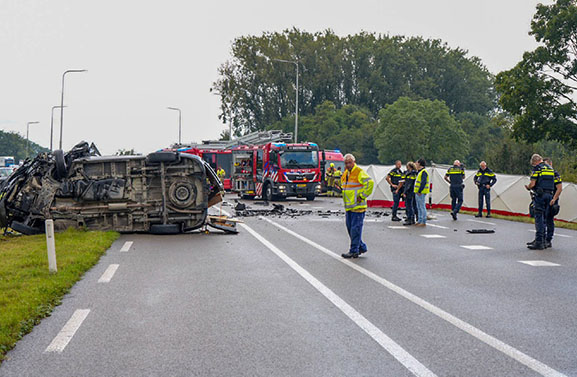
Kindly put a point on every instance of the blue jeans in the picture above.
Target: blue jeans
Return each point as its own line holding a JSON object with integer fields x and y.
{"x": 396, "y": 200}
{"x": 421, "y": 208}
{"x": 484, "y": 193}
{"x": 354, "y": 221}
{"x": 410, "y": 206}
{"x": 456, "y": 198}
{"x": 542, "y": 209}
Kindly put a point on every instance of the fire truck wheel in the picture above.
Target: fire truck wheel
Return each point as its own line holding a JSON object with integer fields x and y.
{"x": 311, "y": 197}
{"x": 267, "y": 193}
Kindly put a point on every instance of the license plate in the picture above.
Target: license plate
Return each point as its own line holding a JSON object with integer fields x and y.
{"x": 302, "y": 185}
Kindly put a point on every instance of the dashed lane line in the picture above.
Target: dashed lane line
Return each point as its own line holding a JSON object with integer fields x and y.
{"x": 437, "y": 226}
{"x": 397, "y": 227}
{"x": 556, "y": 234}
{"x": 65, "y": 335}
{"x": 406, "y": 359}
{"x": 481, "y": 222}
{"x": 126, "y": 247}
{"x": 476, "y": 247}
{"x": 539, "y": 263}
{"x": 432, "y": 236}
{"x": 497, "y": 344}
{"x": 108, "y": 274}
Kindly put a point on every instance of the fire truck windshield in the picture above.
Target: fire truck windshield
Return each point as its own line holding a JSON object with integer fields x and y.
{"x": 299, "y": 159}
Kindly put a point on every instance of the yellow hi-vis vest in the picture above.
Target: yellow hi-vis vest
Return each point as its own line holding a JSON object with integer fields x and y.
{"x": 418, "y": 183}
{"x": 356, "y": 183}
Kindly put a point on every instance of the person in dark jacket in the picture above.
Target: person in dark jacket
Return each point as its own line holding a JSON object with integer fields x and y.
{"x": 421, "y": 190}
{"x": 543, "y": 185}
{"x": 409, "y": 178}
{"x": 484, "y": 179}
{"x": 455, "y": 177}
{"x": 394, "y": 179}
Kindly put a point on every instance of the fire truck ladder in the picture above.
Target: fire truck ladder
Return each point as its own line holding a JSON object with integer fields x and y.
{"x": 261, "y": 137}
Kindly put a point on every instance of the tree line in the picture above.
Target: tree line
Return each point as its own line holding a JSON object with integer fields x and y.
{"x": 387, "y": 97}
{"x": 12, "y": 144}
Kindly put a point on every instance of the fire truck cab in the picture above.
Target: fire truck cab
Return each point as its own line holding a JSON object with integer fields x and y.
{"x": 277, "y": 171}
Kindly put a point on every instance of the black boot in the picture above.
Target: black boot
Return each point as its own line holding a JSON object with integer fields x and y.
{"x": 350, "y": 255}
{"x": 454, "y": 215}
{"x": 479, "y": 215}
{"x": 537, "y": 246}
{"x": 531, "y": 242}
{"x": 489, "y": 215}
{"x": 548, "y": 245}
{"x": 395, "y": 218}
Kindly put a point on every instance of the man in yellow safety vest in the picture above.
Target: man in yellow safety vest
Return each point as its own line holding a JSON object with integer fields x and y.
{"x": 421, "y": 190}
{"x": 356, "y": 187}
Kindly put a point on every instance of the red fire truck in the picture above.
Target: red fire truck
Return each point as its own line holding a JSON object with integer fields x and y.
{"x": 276, "y": 171}
{"x": 216, "y": 158}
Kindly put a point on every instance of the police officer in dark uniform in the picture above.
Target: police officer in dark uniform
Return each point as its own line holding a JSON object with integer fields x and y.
{"x": 550, "y": 220}
{"x": 484, "y": 179}
{"x": 543, "y": 185}
{"x": 455, "y": 177}
{"x": 409, "y": 178}
{"x": 394, "y": 179}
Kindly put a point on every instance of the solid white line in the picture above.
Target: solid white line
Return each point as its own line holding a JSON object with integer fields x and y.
{"x": 108, "y": 274}
{"x": 65, "y": 335}
{"x": 437, "y": 226}
{"x": 374, "y": 332}
{"x": 481, "y": 222}
{"x": 397, "y": 227}
{"x": 127, "y": 245}
{"x": 508, "y": 350}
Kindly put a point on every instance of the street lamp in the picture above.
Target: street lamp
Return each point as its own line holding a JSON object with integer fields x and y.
{"x": 27, "y": 134}
{"x": 62, "y": 101}
{"x": 296, "y": 63}
{"x": 179, "y": 122}
{"x": 52, "y": 125}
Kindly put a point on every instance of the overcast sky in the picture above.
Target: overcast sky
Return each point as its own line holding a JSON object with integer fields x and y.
{"x": 143, "y": 56}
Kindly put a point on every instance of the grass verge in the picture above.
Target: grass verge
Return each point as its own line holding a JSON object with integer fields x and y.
{"x": 28, "y": 292}
{"x": 520, "y": 219}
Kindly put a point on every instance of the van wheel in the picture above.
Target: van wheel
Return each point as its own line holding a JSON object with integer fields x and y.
{"x": 60, "y": 171}
{"x": 158, "y": 157}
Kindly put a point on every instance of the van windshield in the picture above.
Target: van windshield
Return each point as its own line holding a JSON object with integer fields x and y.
{"x": 299, "y": 159}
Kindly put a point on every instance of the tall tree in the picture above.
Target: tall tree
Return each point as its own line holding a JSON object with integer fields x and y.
{"x": 541, "y": 90}
{"x": 410, "y": 129}
{"x": 366, "y": 70}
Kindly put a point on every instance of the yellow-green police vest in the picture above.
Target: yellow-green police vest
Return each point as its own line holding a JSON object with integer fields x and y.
{"x": 418, "y": 183}
{"x": 356, "y": 183}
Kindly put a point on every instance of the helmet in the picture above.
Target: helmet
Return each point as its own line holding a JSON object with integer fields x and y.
{"x": 332, "y": 165}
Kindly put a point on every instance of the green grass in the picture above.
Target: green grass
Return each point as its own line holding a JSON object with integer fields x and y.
{"x": 521, "y": 219}
{"x": 28, "y": 292}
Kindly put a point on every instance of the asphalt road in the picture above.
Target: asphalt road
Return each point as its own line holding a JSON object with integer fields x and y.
{"x": 277, "y": 300}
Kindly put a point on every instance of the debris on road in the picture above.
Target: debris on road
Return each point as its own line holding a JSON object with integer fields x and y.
{"x": 480, "y": 231}
{"x": 223, "y": 223}
{"x": 279, "y": 210}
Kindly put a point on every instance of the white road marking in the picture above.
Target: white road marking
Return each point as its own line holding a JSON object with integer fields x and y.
{"x": 65, "y": 335}
{"x": 476, "y": 247}
{"x": 408, "y": 361}
{"x": 127, "y": 245}
{"x": 432, "y": 236}
{"x": 497, "y": 344}
{"x": 539, "y": 263}
{"x": 481, "y": 222}
{"x": 437, "y": 226}
{"x": 556, "y": 234}
{"x": 108, "y": 274}
{"x": 398, "y": 227}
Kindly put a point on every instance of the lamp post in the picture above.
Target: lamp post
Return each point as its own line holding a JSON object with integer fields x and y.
{"x": 62, "y": 101}
{"x": 52, "y": 125}
{"x": 296, "y": 63}
{"x": 179, "y": 122}
{"x": 27, "y": 136}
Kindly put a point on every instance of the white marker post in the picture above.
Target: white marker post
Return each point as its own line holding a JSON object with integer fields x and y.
{"x": 50, "y": 246}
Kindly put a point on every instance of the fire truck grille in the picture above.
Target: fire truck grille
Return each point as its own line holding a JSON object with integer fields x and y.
{"x": 300, "y": 177}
